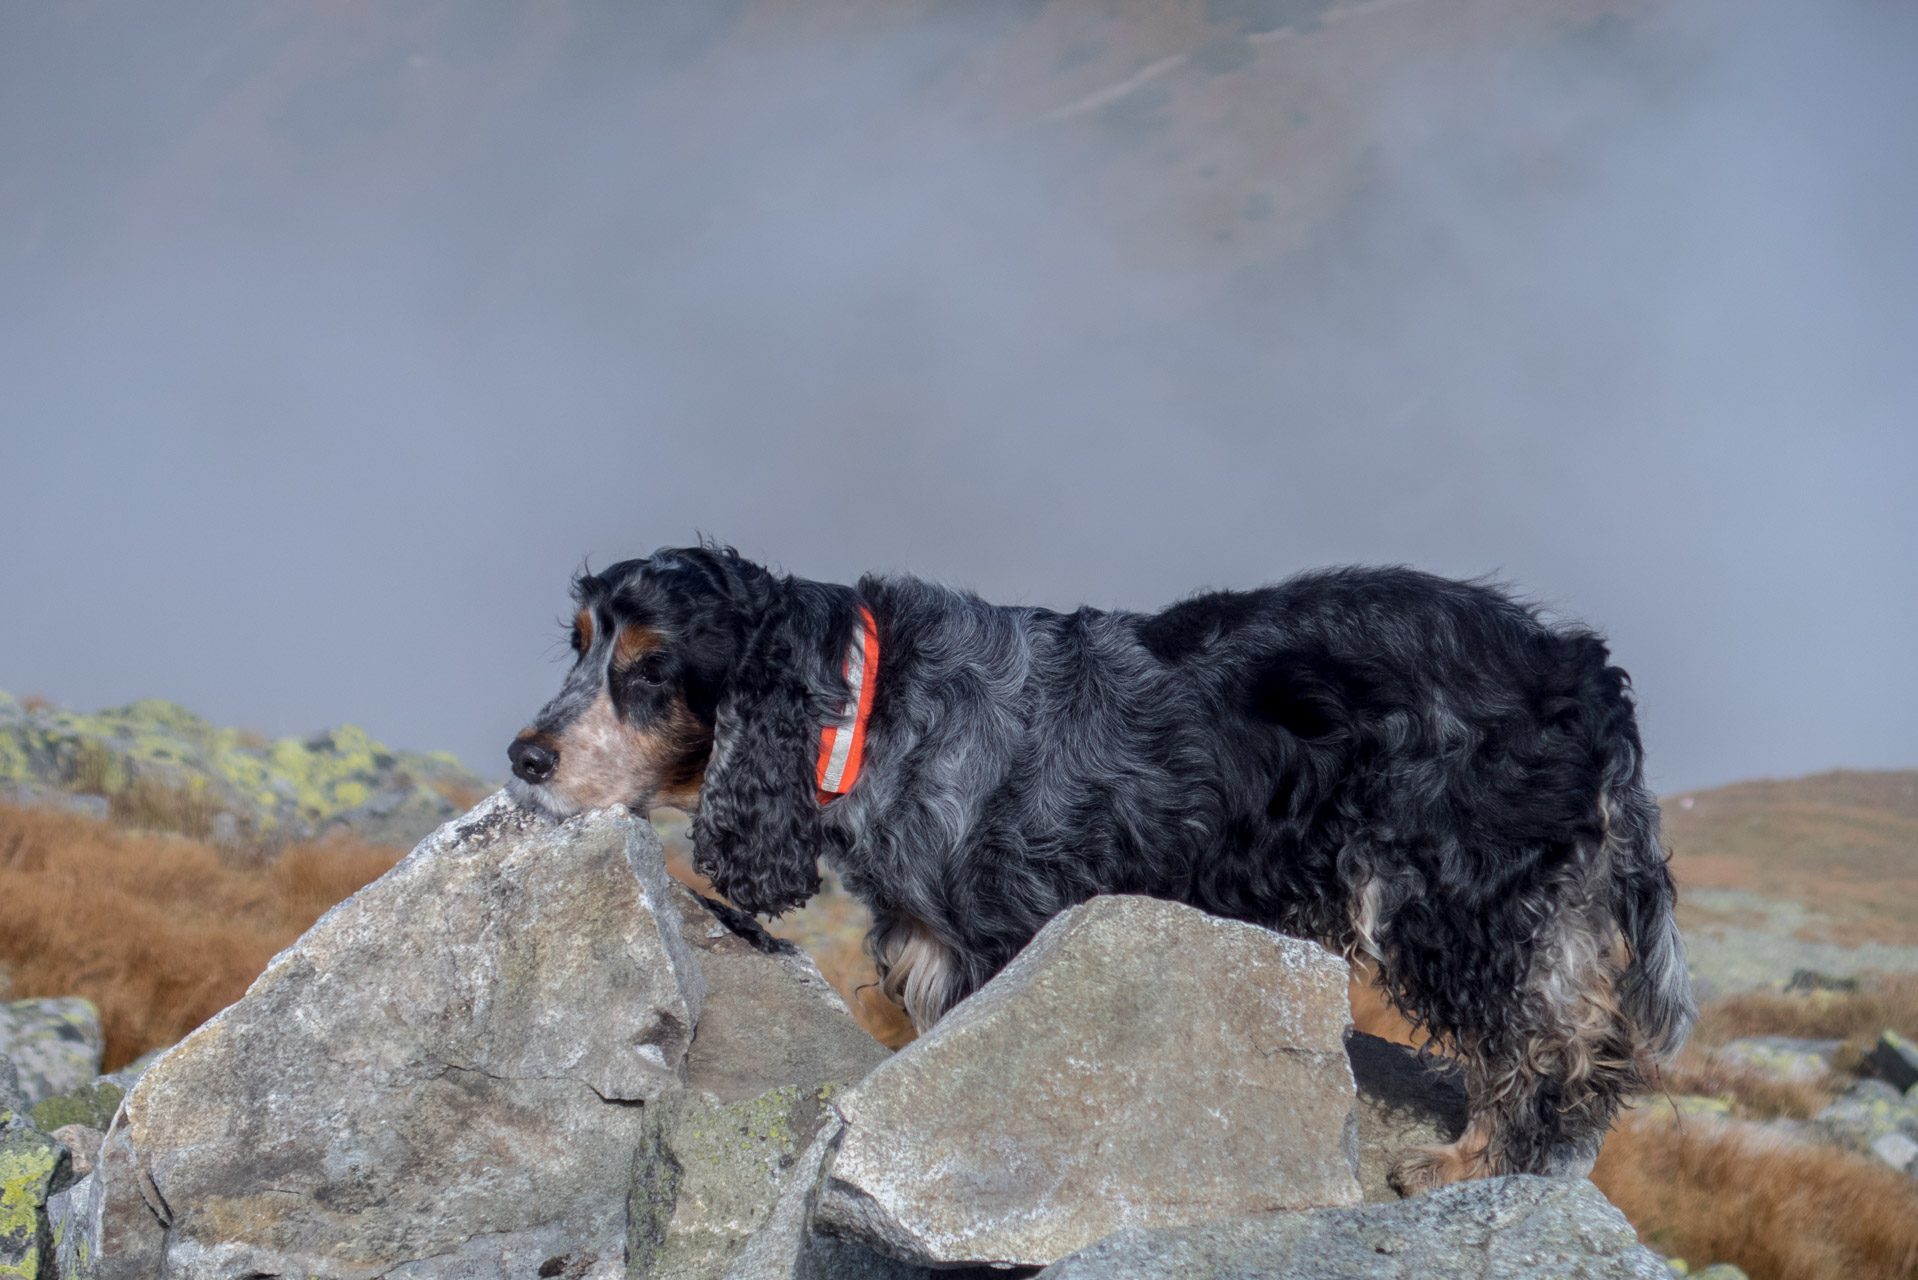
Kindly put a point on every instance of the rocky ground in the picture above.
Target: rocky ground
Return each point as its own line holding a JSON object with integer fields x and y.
{"x": 739, "y": 1153}
{"x": 528, "y": 1051}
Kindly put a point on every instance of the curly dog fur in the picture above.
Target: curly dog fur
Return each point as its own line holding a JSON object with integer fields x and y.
{"x": 1415, "y": 771}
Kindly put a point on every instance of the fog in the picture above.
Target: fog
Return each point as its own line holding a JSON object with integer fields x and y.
{"x": 333, "y": 340}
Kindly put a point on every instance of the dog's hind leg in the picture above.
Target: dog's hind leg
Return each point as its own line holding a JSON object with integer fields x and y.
{"x": 1547, "y": 1072}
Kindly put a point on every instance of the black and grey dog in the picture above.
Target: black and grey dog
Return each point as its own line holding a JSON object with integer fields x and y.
{"x": 1414, "y": 771}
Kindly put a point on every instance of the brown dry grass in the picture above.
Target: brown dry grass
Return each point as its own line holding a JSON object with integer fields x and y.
{"x": 160, "y": 932}
{"x": 1783, "y": 1211}
{"x": 1889, "y": 1001}
{"x": 1754, "y": 1094}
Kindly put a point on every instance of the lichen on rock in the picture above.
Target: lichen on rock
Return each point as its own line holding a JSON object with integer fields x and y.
{"x": 30, "y": 1165}
{"x": 157, "y": 764}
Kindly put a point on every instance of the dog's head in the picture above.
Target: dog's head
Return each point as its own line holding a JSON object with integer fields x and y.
{"x": 700, "y": 681}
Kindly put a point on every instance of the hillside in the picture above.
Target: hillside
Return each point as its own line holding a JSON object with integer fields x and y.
{"x": 154, "y": 765}
{"x": 1843, "y": 843}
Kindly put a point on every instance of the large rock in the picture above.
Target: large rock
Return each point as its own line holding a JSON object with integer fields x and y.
{"x": 787, "y": 1248}
{"x": 438, "y": 1079}
{"x": 1897, "y": 1061}
{"x": 775, "y": 1041}
{"x": 55, "y": 1044}
{"x": 1140, "y": 1063}
{"x": 71, "y": 1218}
{"x": 1785, "y": 1057}
{"x": 1497, "y": 1229}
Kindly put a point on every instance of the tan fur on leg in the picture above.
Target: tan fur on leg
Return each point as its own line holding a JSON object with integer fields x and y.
{"x": 1420, "y": 1169}
{"x": 916, "y": 973}
{"x": 1580, "y": 1041}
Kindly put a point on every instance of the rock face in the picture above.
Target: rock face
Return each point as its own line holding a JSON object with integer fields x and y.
{"x": 437, "y": 1079}
{"x": 31, "y": 1164}
{"x": 1140, "y": 1063}
{"x": 54, "y": 1044}
{"x": 775, "y": 1041}
{"x": 1497, "y": 1229}
{"x": 786, "y": 1248}
{"x": 1785, "y": 1057}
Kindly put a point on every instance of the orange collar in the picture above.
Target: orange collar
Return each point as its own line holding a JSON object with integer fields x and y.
{"x": 842, "y": 744}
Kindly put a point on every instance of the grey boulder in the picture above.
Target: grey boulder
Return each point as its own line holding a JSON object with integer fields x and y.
{"x": 1516, "y": 1228}
{"x": 32, "y": 1166}
{"x": 1866, "y": 1112}
{"x": 774, "y": 1043}
{"x": 55, "y": 1044}
{"x": 437, "y": 1079}
{"x": 1140, "y": 1063}
{"x": 1785, "y": 1057}
{"x": 787, "y": 1248}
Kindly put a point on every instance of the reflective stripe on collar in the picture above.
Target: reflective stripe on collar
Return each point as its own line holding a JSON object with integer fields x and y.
{"x": 842, "y": 743}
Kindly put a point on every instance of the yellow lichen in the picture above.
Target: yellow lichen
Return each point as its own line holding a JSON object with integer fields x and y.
{"x": 27, "y": 1161}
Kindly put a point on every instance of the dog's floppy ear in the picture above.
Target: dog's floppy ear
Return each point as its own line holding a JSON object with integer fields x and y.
{"x": 757, "y": 834}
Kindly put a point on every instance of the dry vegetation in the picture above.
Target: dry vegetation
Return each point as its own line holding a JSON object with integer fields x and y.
{"x": 1891, "y": 1001}
{"x": 161, "y": 932}
{"x": 1716, "y": 1192}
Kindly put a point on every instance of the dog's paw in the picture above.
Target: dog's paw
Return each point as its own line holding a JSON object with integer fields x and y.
{"x": 1420, "y": 1169}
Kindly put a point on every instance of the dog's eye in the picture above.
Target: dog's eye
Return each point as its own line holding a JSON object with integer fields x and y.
{"x": 650, "y": 669}
{"x": 579, "y": 641}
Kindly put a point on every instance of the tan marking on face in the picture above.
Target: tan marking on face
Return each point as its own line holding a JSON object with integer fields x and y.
{"x": 583, "y": 622}
{"x": 604, "y": 760}
{"x": 634, "y": 642}
{"x": 684, "y": 746}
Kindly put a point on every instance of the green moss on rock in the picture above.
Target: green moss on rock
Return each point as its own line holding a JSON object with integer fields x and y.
{"x": 92, "y": 1105}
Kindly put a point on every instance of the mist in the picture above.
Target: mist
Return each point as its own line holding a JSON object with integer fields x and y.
{"x": 334, "y": 339}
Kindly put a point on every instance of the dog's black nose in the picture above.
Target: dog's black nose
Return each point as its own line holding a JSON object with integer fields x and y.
{"x": 532, "y": 761}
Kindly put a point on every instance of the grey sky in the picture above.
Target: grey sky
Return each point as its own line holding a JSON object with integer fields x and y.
{"x": 329, "y": 349}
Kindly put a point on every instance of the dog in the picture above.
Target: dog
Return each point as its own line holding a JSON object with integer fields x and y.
{"x": 1416, "y": 772}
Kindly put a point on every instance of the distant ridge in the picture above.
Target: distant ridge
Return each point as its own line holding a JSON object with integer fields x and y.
{"x": 155, "y": 765}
